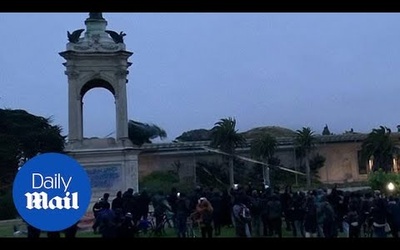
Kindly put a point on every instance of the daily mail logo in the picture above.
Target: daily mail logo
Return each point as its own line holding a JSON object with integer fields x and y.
{"x": 51, "y": 191}
{"x": 41, "y": 200}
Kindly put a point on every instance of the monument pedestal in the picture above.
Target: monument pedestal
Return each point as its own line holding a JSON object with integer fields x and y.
{"x": 111, "y": 166}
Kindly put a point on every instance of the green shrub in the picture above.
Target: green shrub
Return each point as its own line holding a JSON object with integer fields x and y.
{"x": 379, "y": 180}
{"x": 163, "y": 181}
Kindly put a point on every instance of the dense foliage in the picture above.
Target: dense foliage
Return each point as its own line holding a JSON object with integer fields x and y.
{"x": 379, "y": 147}
{"x": 23, "y": 136}
{"x": 163, "y": 181}
{"x": 379, "y": 180}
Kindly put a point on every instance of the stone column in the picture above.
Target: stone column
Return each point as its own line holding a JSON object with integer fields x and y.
{"x": 75, "y": 132}
{"x": 121, "y": 109}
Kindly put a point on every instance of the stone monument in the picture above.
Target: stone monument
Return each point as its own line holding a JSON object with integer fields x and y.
{"x": 99, "y": 59}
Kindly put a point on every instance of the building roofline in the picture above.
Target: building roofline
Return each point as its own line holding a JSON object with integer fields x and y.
{"x": 282, "y": 141}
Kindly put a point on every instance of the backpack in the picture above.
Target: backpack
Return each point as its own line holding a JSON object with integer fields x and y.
{"x": 244, "y": 213}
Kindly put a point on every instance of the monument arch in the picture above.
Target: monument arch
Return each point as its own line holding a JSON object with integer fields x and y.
{"x": 99, "y": 59}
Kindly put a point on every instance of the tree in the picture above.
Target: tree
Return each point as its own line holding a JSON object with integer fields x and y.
{"x": 211, "y": 174}
{"x": 140, "y": 133}
{"x": 379, "y": 147}
{"x": 195, "y": 135}
{"x": 326, "y": 130}
{"x": 316, "y": 162}
{"x": 23, "y": 136}
{"x": 225, "y": 137}
{"x": 263, "y": 149}
{"x": 305, "y": 143}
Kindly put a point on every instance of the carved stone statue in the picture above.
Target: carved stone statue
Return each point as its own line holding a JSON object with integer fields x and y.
{"x": 95, "y": 15}
{"x": 74, "y": 37}
{"x": 117, "y": 38}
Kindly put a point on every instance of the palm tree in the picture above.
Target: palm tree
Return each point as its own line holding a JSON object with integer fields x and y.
{"x": 140, "y": 133}
{"x": 225, "y": 137}
{"x": 263, "y": 148}
{"x": 379, "y": 146}
{"x": 305, "y": 143}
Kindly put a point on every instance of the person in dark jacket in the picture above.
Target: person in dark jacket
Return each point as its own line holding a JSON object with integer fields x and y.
{"x": 275, "y": 216}
{"x": 97, "y": 208}
{"x": 379, "y": 217}
{"x": 182, "y": 214}
{"x": 255, "y": 211}
{"x": 353, "y": 220}
{"x": 298, "y": 213}
{"x": 310, "y": 218}
{"x": 394, "y": 216}
{"x": 107, "y": 222}
{"x": 144, "y": 202}
{"x": 116, "y": 203}
{"x": 216, "y": 203}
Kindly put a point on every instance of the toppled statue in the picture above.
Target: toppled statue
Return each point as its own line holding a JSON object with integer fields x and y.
{"x": 117, "y": 38}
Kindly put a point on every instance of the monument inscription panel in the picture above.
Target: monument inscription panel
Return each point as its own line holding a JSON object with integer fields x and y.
{"x": 104, "y": 176}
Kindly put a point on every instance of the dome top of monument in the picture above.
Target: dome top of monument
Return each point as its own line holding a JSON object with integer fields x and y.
{"x": 96, "y": 37}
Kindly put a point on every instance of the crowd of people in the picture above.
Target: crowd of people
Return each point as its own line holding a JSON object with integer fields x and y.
{"x": 250, "y": 211}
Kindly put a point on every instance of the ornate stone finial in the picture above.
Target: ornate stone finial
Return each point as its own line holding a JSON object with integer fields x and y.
{"x": 95, "y": 25}
{"x": 95, "y": 15}
{"x": 96, "y": 37}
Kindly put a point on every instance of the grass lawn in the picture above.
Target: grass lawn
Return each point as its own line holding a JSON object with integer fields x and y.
{"x": 6, "y": 230}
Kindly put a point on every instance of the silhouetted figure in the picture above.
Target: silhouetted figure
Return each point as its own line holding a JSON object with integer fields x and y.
{"x": 107, "y": 222}
{"x": 71, "y": 231}
{"x": 127, "y": 228}
{"x": 216, "y": 202}
{"x": 143, "y": 204}
{"x": 182, "y": 214}
{"x": 33, "y": 232}
{"x": 128, "y": 201}
{"x": 275, "y": 216}
{"x": 117, "y": 202}
{"x": 226, "y": 209}
{"x": 98, "y": 207}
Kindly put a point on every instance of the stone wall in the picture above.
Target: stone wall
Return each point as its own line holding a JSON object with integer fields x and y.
{"x": 341, "y": 165}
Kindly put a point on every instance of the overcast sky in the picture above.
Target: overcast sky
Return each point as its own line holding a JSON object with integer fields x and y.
{"x": 191, "y": 69}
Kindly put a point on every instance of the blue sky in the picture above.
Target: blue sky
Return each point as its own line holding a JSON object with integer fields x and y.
{"x": 191, "y": 69}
